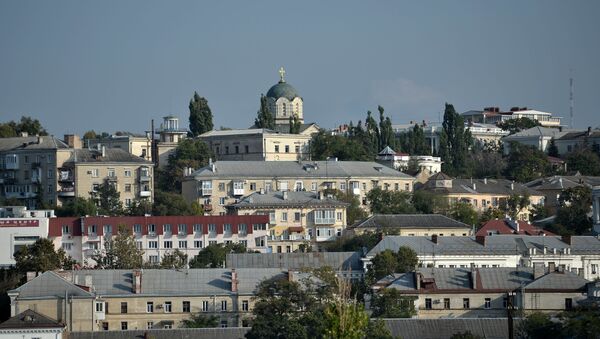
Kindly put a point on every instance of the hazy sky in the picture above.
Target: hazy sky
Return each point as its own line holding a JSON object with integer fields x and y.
{"x": 114, "y": 65}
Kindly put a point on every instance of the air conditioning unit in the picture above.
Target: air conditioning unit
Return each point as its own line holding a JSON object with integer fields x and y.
{"x": 159, "y": 306}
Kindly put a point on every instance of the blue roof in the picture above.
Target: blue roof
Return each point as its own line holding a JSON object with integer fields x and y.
{"x": 283, "y": 89}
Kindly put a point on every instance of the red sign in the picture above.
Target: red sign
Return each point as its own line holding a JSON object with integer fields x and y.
{"x": 19, "y": 223}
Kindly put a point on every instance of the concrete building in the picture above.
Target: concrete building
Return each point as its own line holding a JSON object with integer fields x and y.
{"x": 412, "y": 225}
{"x": 169, "y": 135}
{"x": 482, "y": 193}
{"x": 487, "y": 292}
{"x": 537, "y": 137}
{"x": 140, "y": 146}
{"x": 576, "y": 254}
{"x": 404, "y": 161}
{"x": 31, "y": 325}
{"x": 86, "y": 169}
{"x": 28, "y": 169}
{"x": 224, "y": 182}
{"x": 258, "y": 144}
{"x": 19, "y": 228}
{"x": 296, "y": 217}
{"x": 81, "y": 238}
{"x": 576, "y": 140}
{"x": 552, "y": 187}
{"x": 493, "y": 115}
{"x": 102, "y": 300}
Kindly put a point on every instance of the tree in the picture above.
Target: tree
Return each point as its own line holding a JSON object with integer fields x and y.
{"x": 526, "y": 163}
{"x": 584, "y": 161}
{"x": 201, "y": 321}
{"x": 427, "y": 203}
{"x": 575, "y": 204}
{"x": 517, "y": 125}
{"x": 167, "y": 203}
{"x": 390, "y": 202}
{"x": 387, "y": 263}
{"x": 201, "y": 118}
{"x": 485, "y": 164}
{"x": 175, "y": 259}
{"x": 354, "y": 212}
{"x": 213, "y": 256}
{"x": 414, "y": 142}
{"x": 491, "y": 214}
{"x": 139, "y": 207}
{"x": 538, "y": 326}
{"x": 365, "y": 241}
{"x": 386, "y": 132}
{"x": 77, "y": 207}
{"x": 190, "y": 153}
{"x": 120, "y": 252}
{"x": 108, "y": 199}
{"x": 465, "y": 335}
{"x": 454, "y": 142}
{"x": 265, "y": 118}
{"x": 324, "y": 145}
{"x": 515, "y": 204}
{"x": 345, "y": 319}
{"x": 582, "y": 322}
{"x": 91, "y": 134}
{"x": 41, "y": 257}
{"x": 295, "y": 124}
{"x": 26, "y": 125}
{"x": 552, "y": 149}
{"x": 390, "y": 303}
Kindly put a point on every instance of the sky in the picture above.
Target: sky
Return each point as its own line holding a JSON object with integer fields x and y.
{"x": 115, "y": 65}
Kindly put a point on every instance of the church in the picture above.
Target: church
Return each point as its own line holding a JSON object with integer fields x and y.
{"x": 277, "y": 144}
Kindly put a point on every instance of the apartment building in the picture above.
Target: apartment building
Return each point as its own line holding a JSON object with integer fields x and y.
{"x": 576, "y": 254}
{"x": 493, "y": 115}
{"x": 404, "y": 161}
{"x": 86, "y": 169}
{"x": 28, "y": 169}
{"x": 258, "y": 144}
{"x": 99, "y": 300}
{"x": 487, "y": 292}
{"x": 20, "y": 227}
{"x": 537, "y": 137}
{"x": 412, "y": 225}
{"x": 225, "y": 182}
{"x": 296, "y": 217}
{"x": 577, "y": 140}
{"x": 82, "y": 237}
{"x": 482, "y": 193}
{"x": 138, "y": 145}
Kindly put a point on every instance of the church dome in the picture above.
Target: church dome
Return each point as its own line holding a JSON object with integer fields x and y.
{"x": 282, "y": 89}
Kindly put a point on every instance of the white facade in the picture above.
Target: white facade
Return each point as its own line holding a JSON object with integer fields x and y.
{"x": 32, "y": 333}
{"x": 18, "y": 232}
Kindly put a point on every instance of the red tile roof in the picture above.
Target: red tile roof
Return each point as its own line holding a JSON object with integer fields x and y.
{"x": 502, "y": 226}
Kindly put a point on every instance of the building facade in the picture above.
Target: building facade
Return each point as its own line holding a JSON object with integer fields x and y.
{"x": 225, "y": 182}
{"x": 493, "y": 115}
{"x": 412, "y": 225}
{"x": 169, "y": 135}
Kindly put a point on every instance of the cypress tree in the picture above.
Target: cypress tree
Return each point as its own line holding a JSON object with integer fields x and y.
{"x": 265, "y": 118}
{"x": 201, "y": 118}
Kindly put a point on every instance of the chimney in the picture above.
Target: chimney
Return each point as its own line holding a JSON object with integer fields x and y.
{"x": 103, "y": 150}
{"x": 480, "y": 239}
{"x": 262, "y": 191}
{"x": 485, "y": 181}
{"x": 320, "y": 195}
{"x": 40, "y": 139}
{"x": 137, "y": 281}
{"x": 473, "y": 278}
{"x": 234, "y": 280}
{"x": 434, "y": 238}
{"x": 285, "y": 195}
{"x": 474, "y": 186}
{"x": 551, "y": 267}
{"x": 589, "y": 131}
{"x": 73, "y": 141}
{"x": 88, "y": 281}
{"x": 538, "y": 270}
{"x": 567, "y": 239}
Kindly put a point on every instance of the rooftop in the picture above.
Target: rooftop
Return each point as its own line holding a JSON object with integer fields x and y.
{"x": 30, "y": 319}
{"x": 508, "y": 226}
{"x": 339, "y": 261}
{"x": 560, "y": 182}
{"x": 410, "y": 221}
{"x": 288, "y": 199}
{"x": 31, "y": 143}
{"x": 478, "y": 186}
{"x": 489, "y": 328}
{"x": 111, "y": 155}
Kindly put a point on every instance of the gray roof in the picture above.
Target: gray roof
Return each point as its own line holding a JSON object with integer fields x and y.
{"x": 560, "y": 182}
{"x": 556, "y": 280}
{"x": 489, "y": 328}
{"x": 155, "y": 282}
{"x": 595, "y": 133}
{"x": 410, "y": 221}
{"x": 494, "y": 245}
{"x": 175, "y": 333}
{"x": 339, "y": 261}
{"x": 229, "y": 132}
{"x": 31, "y": 143}
{"x": 30, "y": 319}
{"x": 112, "y": 155}
{"x": 276, "y": 198}
{"x": 282, "y": 89}
{"x": 480, "y": 186}
{"x": 537, "y": 132}
{"x": 294, "y": 169}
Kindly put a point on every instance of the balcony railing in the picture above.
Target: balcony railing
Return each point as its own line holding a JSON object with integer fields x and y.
{"x": 324, "y": 221}
{"x": 238, "y": 191}
{"x": 206, "y": 191}
{"x": 145, "y": 194}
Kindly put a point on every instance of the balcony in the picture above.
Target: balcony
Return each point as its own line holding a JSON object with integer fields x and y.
{"x": 207, "y": 207}
{"x": 66, "y": 192}
{"x": 145, "y": 194}
{"x": 356, "y": 191}
{"x": 35, "y": 165}
{"x": 145, "y": 175}
{"x": 65, "y": 176}
{"x": 112, "y": 178}
{"x": 238, "y": 190}
{"x": 205, "y": 191}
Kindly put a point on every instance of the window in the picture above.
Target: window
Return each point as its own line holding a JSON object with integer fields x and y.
{"x": 297, "y": 216}
{"x": 245, "y": 305}
{"x": 186, "y": 307}
{"x": 568, "y": 303}
{"x": 594, "y": 268}
{"x": 268, "y": 186}
{"x": 182, "y": 243}
{"x": 149, "y": 325}
{"x": 205, "y": 306}
{"x": 127, "y": 172}
{"x": 123, "y": 307}
{"x": 212, "y": 242}
{"x": 313, "y": 186}
{"x": 137, "y": 228}
{"x": 299, "y": 186}
{"x": 95, "y": 173}
{"x": 488, "y": 303}
{"x": 107, "y": 230}
{"x": 259, "y": 227}
{"x": 237, "y": 149}
{"x": 272, "y": 218}
{"x": 104, "y": 326}
{"x": 100, "y": 306}
{"x": 66, "y": 230}
{"x": 123, "y": 325}
{"x": 297, "y": 149}
{"x": 167, "y": 244}
{"x": 111, "y": 173}
{"x": 427, "y": 303}
{"x": 252, "y": 186}
{"x": 287, "y": 148}
{"x": 166, "y": 228}
{"x": 168, "y": 307}
{"x": 182, "y": 229}
{"x": 276, "y": 148}
{"x": 222, "y": 201}
{"x": 168, "y": 326}
{"x": 151, "y": 229}
{"x": 92, "y": 230}
{"x": 127, "y": 187}
{"x": 284, "y": 216}
{"x": 212, "y": 229}
{"x": 247, "y": 149}
{"x": 343, "y": 186}
{"x": 283, "y": 186}
{"x": 197, "y": 244}
{"x": 223, "y": 305}
{"x": 226, "y": 149}
{"x": 138, "y": 245}
{"x": 242, "y": 229}
{"x": 447, "y": 303}
{"x": 223, "y": 323}
{"x": 149, "y": 307}
{"x": 222, "y": 187}
{"x": 407, "y": 187}
{"x": 49, "y": 188}
{"x": 67, "y": 246}
{"x": 227, "y": 229}
{"x": 153, "y": 259}
{"x": 396, "y": 187}
{"x": 339, "y": 216}
{"x": 197, "y": 228}
{"x": 153, "y": 244}
{"x": 50, "y": 173}
{"x": 466, "y": 303}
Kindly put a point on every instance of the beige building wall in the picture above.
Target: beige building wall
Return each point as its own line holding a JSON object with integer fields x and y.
{"x": 78, "y": 314}
{"x": 481, "y": 202}
{"x": 428, "y": 231}
{"x": 138, "y": 146}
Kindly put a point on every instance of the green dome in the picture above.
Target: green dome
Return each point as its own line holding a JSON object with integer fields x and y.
{"x": 283, "y": 89}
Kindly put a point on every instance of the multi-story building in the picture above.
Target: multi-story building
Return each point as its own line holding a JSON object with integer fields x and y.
{"x": 493, "y": 115}
{"x": 258, "y": 144}
{"x": 169, "y": 135}
{"x": 20, "y": 227}
{"x": 482, "y": 193}
{"x": 577, "y": 140}
{"x": 28, "y": 169}
{"x": 140, "y": 146}
{"x": 98, "y": 300}
{"x": 81, "y": 238}
{"x": 510, "y": 226}
{"x": 404, "y": 161}
{"x": 537, "y": 137}
{"x": 552, "y": 187}
{"x": 576, "y": 254}
{"x": 225, "y": 182}
{"x": 487, "y": 292}
{"x": 86, "y": 169}
{"x": 412, "y": 225}
{"x": 296, "y": 217}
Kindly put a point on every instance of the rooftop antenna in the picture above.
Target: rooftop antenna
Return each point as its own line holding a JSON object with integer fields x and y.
{"x": 571, "y": 101}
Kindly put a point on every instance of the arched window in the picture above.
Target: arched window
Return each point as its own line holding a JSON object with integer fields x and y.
{"x": 284, "y": 110}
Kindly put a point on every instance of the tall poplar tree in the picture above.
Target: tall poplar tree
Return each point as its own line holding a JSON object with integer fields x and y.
{"x": 454, "y": 142}
{"x": 201, "y": 118}
{"x": 265, "y": 118}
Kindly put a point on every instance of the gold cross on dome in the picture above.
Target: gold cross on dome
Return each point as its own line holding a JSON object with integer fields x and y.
{"x": 281, "y": 74}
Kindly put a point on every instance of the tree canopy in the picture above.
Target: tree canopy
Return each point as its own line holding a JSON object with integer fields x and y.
{"x": 175, "y": 259}
{"x": 77, "y": 207}
{"x": 455, "y": 141}
{"x": 526, "y": 163}
{"x": 120, "y": 252}
{"x": 584, "y": 161}
{"x": 264, "y": 116}
{"x": 27, "y": 125}
{"x": 390, "y": 202}
{"x": 41, "y": 257}
{"x": 574, "y": 205}
{"x": 190, "y": 153}
{"x": 388, "y": 262}
{"x": 517, "y": 125}
{"x": 213, "y": 256}
{"x": 108, "y": 200}
{"x": 201, "y": 118}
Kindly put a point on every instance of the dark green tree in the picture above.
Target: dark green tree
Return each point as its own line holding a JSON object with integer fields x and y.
{"x": 324, "y": 145}
{"x": 378, "y": 330}
{"x": 366, "y": 241}
{"x": 515, "y": 204}
{"x": 518, "y": 124}
{"x": 390, "y": 303}
{"x": 108, "y": 200}
{"x": 584, "y": 161}
{"x": 167, "y": 203}
{"x": 295, "y": 125}
{"x": 200, "y": 320}
{"x": 414, "y": 142}
{"x": 552, "y": 149}
{"x": 427, "y": 202}
{"x": 455, "y": 141}
{"x": 526, "y": 163}
{"x": 465, "y": 335}
{"x": 120, "y": 252}
{"x": 201, "y": 118}
{"x": 387, "y": 262}
{"x": 265, "y": 118}
{"x": 41, "y": 257}
{"x": 190, "y": 153}
{"x": 390, "y": 202}
{"x": 77, "y": 207}
{"x": 175, "y": 259}
{"x": 575, "y": 204}
{"x": 213, "y": 256}
{"x": 354, "y": 212}
{"x": 26, "y": 125}
{"x": 538, "y": 326}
